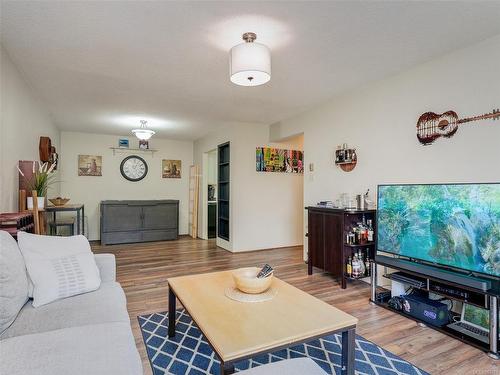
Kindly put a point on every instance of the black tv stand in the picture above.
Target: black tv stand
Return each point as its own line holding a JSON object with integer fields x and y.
{"x": 481, "y": 292}
{"x": 454, "y": 277}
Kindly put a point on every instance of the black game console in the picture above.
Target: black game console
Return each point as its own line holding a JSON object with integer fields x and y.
{"x": 422, "y": 308}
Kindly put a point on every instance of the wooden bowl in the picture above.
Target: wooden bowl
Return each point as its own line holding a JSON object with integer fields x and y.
{"x": 246, "y": 280}
{"x": 59, "y": 201}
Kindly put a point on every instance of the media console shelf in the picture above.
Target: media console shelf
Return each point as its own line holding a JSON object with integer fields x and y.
{"x": 481, "y": 292}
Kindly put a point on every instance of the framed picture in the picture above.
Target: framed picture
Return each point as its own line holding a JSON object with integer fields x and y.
{"x": 89, "y": 165}
{"x": 270, "y": 159}
{"x": 171, "y": 168}
{"x": 143, "y": 145}
{"x": 123, "y": 143}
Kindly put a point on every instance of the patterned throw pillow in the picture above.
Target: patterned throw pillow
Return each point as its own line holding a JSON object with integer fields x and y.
{"x": 58, "y": 267}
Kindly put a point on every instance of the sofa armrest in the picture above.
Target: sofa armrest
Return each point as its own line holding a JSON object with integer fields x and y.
{"x": 107, "y": 266}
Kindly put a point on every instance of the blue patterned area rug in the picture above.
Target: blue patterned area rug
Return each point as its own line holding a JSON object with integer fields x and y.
{"x": 189, "y": 353}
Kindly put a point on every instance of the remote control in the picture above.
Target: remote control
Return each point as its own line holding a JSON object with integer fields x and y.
{"x": 265, "y": 271}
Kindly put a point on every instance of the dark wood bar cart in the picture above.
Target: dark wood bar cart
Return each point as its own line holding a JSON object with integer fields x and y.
{"x": 327, "y": 239}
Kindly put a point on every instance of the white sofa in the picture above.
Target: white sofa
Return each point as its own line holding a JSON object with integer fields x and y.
{"x": 88, "y": 334}
{"x": 296, "y": 366}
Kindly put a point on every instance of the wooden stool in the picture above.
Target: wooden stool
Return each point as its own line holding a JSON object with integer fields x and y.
{"x": 69, "y": 223}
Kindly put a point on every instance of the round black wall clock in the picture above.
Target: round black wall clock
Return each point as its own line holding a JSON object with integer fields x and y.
{"x": 134, "y": 168}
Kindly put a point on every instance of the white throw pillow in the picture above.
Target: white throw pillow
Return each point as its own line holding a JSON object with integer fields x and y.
{"x": 13, "y": 280}
{"x": 58, "y": 267}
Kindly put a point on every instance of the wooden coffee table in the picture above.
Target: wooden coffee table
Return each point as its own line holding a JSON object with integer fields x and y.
{"x": 237, "y": 330}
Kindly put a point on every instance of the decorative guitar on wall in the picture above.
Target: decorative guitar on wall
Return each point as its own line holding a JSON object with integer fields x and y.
{"x": 431, "y": 126}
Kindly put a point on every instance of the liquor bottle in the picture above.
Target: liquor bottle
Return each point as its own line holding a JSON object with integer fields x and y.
{"x": 356, "y": 267}
{"x": 361, "y": 264}
{"x": 368, "y": 263}
{"x": 349, "y": 267}
{"x": 363, "y": 234}
{"x": 370, "y": 231}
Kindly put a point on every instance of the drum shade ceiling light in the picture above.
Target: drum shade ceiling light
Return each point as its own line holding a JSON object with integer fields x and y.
{"x": 250, "y": 62}
{"x": 143, "y": 133}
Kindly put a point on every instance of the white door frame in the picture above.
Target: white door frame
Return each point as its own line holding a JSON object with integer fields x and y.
{"x": 204, "y": 197}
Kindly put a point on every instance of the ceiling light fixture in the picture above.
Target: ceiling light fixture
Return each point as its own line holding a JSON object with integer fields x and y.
{"x": 143, "y": 133}
{"x": 250, "y": 62}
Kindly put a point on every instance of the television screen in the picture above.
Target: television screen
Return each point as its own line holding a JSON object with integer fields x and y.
{"x": 456, "y": 225}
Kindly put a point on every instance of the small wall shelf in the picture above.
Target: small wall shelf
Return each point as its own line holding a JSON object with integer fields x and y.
{"x": 346, "y": 158}
{"x": 123, "y": 149}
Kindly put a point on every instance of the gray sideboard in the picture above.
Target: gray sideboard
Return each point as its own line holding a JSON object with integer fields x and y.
{"x": 139, "y": 221}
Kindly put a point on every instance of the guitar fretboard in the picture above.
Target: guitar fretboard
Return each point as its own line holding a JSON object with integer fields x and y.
{"x": 493, "y": 115}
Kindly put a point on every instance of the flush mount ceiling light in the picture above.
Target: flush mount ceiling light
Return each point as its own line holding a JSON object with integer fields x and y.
{"x": 250, "y": 62}
{"x": 143, "y": 133}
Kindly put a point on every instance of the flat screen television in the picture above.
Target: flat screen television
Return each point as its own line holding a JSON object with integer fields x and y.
{"x": 453, "y": 225}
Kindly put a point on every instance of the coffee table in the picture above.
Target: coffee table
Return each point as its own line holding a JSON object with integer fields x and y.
{"x": 238, "y": 330}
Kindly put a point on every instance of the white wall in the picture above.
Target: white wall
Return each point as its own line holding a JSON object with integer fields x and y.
{"x": 266, "y": 209}
{"x": 379, "y": 121}
{"x": 269, "y": 206}
{"x": 212, "y": 168}
{"x": 23, "y": 119}
{"x": 92, "y": 190}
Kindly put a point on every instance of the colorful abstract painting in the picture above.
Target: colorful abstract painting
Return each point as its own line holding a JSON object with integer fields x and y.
{"x": 270, "y": 159}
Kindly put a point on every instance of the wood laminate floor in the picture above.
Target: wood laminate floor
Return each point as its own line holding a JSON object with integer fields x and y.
{"x": 143, "y": 270}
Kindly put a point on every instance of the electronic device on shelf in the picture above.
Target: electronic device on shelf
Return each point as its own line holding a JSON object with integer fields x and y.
{"x": 383, "y": 296}
{"x": 453, "y": 292}
{"x": 420, "y": 307}
{"x": 407, "y": 279}
{"x": 474, "y": 322}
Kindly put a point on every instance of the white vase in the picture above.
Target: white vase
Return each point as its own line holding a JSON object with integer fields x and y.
{"x": 40, "y": 200}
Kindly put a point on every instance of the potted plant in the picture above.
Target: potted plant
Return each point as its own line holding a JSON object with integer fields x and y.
{"x": 42, "y": 178}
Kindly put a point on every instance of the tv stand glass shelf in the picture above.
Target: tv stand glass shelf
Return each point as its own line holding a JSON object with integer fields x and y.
{"x": 426, "y": 281}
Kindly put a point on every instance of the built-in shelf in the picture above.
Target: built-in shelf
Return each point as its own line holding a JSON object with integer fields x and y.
{"x": 223, "y": 188}
{"x": 124, "y": 149}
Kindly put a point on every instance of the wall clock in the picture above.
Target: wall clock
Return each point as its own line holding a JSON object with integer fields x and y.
{"x": 134, "y": 168}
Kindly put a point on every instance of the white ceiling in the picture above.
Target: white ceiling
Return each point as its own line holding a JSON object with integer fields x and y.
{"x": 102, "y": 66}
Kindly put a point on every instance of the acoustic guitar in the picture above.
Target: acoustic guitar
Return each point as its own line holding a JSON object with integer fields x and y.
{"x": 431, "y": 126}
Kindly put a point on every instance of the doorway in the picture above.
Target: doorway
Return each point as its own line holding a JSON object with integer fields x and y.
{"x": 209, "y": 195}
